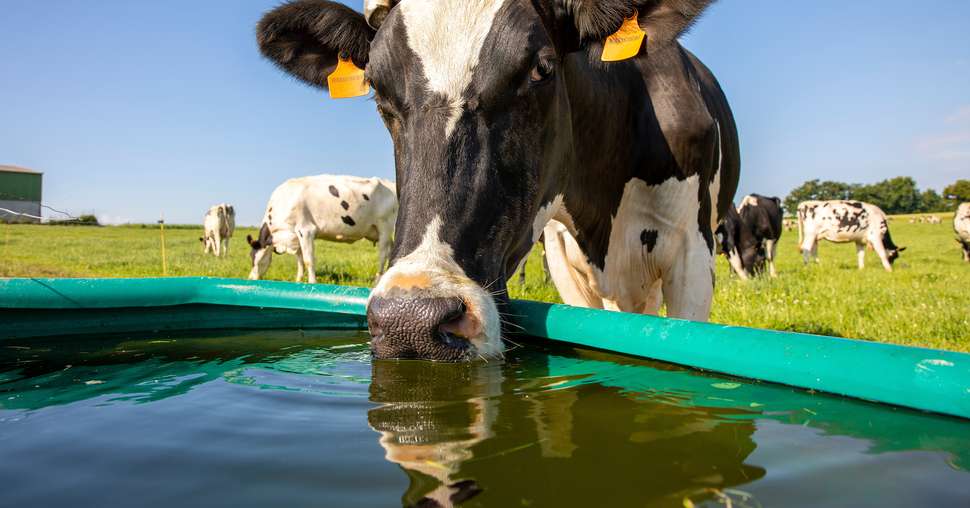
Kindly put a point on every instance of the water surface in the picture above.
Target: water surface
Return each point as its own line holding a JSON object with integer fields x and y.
{"x": 295, "y": 418}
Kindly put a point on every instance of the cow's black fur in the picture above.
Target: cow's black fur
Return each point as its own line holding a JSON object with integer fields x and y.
{"x": 736, "y": 234}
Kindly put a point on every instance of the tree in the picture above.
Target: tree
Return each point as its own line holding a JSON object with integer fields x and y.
{"x": 815, "y": 189}
{"x": 930, "y": 201}
{"x": 896, "y": 195}
{"x": 957, "y": 192}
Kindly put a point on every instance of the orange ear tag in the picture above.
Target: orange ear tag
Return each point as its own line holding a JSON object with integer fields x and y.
{"x": 347, "y": 80}
{"x": 626, "y": 42}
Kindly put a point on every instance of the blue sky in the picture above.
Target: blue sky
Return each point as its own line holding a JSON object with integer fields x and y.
{"x": 137, "y": 109}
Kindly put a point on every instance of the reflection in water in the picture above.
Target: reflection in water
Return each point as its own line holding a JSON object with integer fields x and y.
{"x": 446, "y": 426}
{"x": 547, "y": 427}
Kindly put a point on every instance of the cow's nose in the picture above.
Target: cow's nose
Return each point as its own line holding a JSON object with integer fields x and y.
{"x": 403, "y": 328}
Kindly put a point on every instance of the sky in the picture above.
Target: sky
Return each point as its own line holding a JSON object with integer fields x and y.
{"x": 136, "y": 110}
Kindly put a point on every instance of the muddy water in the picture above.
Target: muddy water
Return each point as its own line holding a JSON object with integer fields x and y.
{"x": 305, "y": 419}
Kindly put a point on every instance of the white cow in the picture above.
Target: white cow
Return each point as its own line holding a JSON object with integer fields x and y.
{"x": 846, "y": 221}
{"x": 218, "y": 226}
{"x": 961, "y": 225}
{"x": 330, "y": 207}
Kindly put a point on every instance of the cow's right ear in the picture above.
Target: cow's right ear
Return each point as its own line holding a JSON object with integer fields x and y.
{"x": 305, "y": 37}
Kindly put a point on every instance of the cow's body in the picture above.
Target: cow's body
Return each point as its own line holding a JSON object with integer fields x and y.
{"x": 506, "y": 123}
{"x": 330, "y": 207}
{"x": 846, "y": 221}
{"x": 961, "y": 226}
{"x": 218, "y": 225}
{"x": 762, "y": 215}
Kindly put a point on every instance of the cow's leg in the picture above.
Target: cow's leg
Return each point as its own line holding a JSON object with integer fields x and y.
{"x": 568, "y": 268}
{"x": 688, "y": 286}
{"x": 225, "y": 246}
{"x": 809, "y": 244}
{"x": 771, "y": 247}
{"x": 306, "y": 236}
{"x": 217, "y": 245}
{"x": 966, "y": 252}
{"x": 299, "y": 265}
{"x": 653, "y": 299}
{"x": 860, "y": 252}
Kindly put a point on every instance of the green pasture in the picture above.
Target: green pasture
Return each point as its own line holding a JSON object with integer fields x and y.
{"x": 924, "y": 302}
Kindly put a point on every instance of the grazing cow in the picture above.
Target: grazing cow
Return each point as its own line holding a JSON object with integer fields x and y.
{"x": 762, "y": 215}
{"x": 335, "y": 208}
{"x": 934, "y": 219}
{"x": 738, "y": 244}
{"x": 790, "y": 224}
{"x": 846, "y": 221}
{"x": 218, "y": 226}
{"x": 505, "y": 119}
{"x": 961, "y": 225}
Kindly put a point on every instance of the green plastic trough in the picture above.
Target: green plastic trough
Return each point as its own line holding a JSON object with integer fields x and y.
{"x": 918, "y": 378}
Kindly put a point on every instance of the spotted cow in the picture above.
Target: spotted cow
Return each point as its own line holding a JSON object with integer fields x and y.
{"x": 846, "y": 221}
{"x": 762, "y": 215}
{"x": 738, "y": 244}
{"x": 961, "y": 226}
{"x": 504, "y": 117}
{"x": 334, "y": 208}
{"x": 218, "y": 225}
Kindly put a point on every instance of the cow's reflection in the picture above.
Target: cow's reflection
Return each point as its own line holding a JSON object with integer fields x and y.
{"x": 528, "y": 433}
{"x": 431, "y": 415}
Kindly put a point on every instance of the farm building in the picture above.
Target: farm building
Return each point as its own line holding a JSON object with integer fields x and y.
{"x": 20, "y": 192}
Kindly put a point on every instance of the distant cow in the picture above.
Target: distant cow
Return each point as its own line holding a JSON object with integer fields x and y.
{"x": 790, "y": 224}
{"x": 738, "y": 244}
{"x": 846, "y": 221}
{"x": 218, "y": 226}
{"x": 335, "y": 208}
{"x": 934, "y": 219}
{"x": 961, "y": 225}
{"x": 762, "y": 215}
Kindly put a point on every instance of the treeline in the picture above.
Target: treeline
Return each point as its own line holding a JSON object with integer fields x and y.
{"x": 894, "y": 196}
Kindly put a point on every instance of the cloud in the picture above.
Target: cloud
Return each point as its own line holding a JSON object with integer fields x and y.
{"x": 104, "y": 218}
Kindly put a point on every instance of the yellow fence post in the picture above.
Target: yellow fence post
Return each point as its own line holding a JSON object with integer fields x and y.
{"x": 161, "y": 223}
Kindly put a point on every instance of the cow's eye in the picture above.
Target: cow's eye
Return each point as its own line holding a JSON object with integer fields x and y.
{"x": 543, "y": 70}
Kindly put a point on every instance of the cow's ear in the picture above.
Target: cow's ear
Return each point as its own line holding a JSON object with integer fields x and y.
{"x": 249, "y": 240}
{"x": 305, "y": 37}
{"x": 375, "y": 11}
{"x": 900, "y": 249}
{"x": 663, "y": 20}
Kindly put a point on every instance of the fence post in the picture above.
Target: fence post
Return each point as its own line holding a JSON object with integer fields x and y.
{"x": 161, "y": 223}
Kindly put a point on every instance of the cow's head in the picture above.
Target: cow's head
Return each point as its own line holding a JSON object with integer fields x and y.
{"x": 474, "y": 95}
{"x": 261, "y": 254}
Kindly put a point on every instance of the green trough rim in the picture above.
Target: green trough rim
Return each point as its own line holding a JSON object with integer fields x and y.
{"x": 919, "y": 378}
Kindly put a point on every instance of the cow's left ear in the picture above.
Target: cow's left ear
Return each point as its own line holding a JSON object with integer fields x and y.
{"x": 305, "y": 38}
{"x": 900, "y": 249}
{"x": 663, "y": 20}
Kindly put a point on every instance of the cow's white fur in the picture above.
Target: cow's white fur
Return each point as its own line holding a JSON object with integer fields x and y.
{"x": 302, "y": 209}
{"x": 448, "y": 36}
{"x": 961, "y": 225}
{"x": 679, "y": 269}
{"x": 218, "y": 224}
{"x": 824, "y": 226}
{"x": 434, "y": 259}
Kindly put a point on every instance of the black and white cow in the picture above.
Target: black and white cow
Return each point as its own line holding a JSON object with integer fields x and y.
{"x": 739, "y": 245}
{"x": 338, "y": 208}
{"x": 961, "y": 226}
{"x": 763, "y": 216}
{"x": 846, "y": 221}
{"x": 504, "y": 117}
{"x": 218, "y": 226}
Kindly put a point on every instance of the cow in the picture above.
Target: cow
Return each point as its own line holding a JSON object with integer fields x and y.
{"x": 331, "y": 207}
{"x": 505, "y": 119}
{"x": 846, "y": 221}
{"x": 790, "y": 224}
{"x": 762, "y": 215}
{"x": 934, "y": 219}
{"x": 961, "y": 225}
{"x": 737, "y": 242}
{"x": 218, "y": 225}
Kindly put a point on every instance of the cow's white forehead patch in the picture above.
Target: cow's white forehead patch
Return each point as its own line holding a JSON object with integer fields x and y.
{"x": 447, "y": 36}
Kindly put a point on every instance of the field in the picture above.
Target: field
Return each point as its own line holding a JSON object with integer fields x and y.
{"x": 924, "y": 302}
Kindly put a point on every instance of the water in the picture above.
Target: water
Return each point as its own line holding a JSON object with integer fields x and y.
{"x": 304, "y": 419}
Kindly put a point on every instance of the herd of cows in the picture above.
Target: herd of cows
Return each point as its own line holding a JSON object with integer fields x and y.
{"x": 510, "y": 125}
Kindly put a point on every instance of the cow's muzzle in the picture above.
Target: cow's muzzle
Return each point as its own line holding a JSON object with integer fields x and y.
{"x": 404, "y": 327}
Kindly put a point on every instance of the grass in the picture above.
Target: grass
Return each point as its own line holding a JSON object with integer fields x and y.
{"x": 924, "y": 302}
